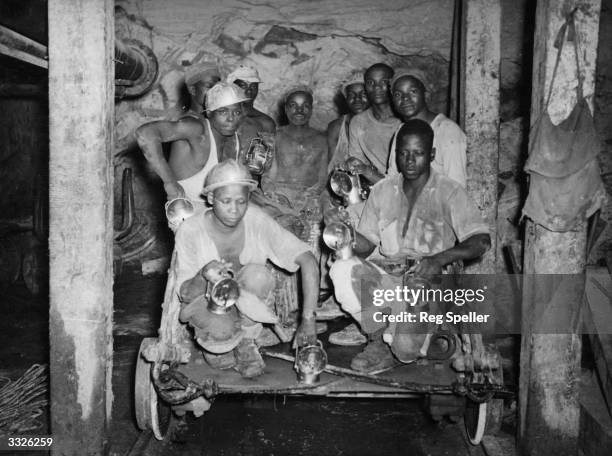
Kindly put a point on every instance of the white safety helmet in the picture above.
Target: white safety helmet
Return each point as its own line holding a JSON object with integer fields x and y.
{"x": 244, "y": 73}
{"x": 224, "y": 94}
{"x": 356, "y": 77}
{"x": 227, "y": 172}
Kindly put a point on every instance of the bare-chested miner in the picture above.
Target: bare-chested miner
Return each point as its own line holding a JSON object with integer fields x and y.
{"x": 299, "y": 169}
{"x": 197, "y": 144}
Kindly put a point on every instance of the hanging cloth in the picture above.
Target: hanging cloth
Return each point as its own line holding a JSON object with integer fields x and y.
{"x": 565, "y": 183}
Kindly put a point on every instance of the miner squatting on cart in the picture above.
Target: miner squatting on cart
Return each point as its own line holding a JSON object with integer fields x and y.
{"x": 240, "y": 237}
{"x": 418, "y": 214}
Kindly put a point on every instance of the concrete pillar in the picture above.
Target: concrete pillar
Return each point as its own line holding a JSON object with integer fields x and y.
{"x": 550, "y": 363}
{"x": 480, "y": 112}
{"x": 81, "y": 92}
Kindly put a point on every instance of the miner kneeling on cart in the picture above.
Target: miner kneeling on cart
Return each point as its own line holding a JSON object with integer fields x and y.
{"x": 234, "y": 240}
{"x": 415, "y": 225}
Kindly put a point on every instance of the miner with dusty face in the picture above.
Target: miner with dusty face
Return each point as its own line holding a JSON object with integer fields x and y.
{"x": 357, "y": 101}
{"x": 198, "y": 143}
{"x": 409, "y": 90}
{"x": 417, "y": 222}
{"x": 241, "y": 236}
{"x": 247, "y": 78}
{"x": 371, "y": 131}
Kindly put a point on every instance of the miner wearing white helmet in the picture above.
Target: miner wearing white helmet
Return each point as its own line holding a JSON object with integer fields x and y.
{"x": 197, "y": 143}
{"x": 247, "y": 78}
{"x": 239, "y": 234}
{"x": 353, "y": 89}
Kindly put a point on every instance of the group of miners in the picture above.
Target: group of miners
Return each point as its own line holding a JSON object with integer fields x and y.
{"x": 417, "y": 219}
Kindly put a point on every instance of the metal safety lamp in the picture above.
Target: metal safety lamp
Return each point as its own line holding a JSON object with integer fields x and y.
{"x": 310, "y": 361}
{"x": 347, "y": 185}
{"x": 178, "y": 210}
{"x": 213, "y": 315}
{"x": 222, "y": 291}
{"x": 259, "y": 154}
{"x": 340, "y": 237}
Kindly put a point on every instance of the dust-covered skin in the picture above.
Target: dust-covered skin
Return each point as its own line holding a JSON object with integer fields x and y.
{"x": 299, "y": 168}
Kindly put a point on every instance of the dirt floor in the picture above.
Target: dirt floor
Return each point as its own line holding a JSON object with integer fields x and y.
{"x": 237, "y": 425}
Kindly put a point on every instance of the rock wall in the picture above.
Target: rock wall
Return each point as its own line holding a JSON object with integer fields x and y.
{"x": 289, "y": 42}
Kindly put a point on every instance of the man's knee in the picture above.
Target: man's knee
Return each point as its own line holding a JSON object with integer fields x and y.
{"x": 407, "y": 347}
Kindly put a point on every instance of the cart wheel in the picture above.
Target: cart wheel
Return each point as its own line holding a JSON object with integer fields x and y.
{"x": 151, "y": 413}
{"x": 475, "y": 419}
{"x": 484, "y": 418}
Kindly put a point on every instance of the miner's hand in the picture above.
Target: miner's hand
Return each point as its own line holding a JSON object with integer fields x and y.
{"x": 215, "y": 270}
{"x": 336, "y": 215}
{"x": 356, "y": 166}
{"x": 306, "y": 333}
{"x": 174, "y": 190}
{"x": 428, "y": 266}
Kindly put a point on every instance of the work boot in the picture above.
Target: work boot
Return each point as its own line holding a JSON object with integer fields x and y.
{"x": 268, "y": 337}
{"x": 222, "y": 361}
{"x": 249, "y": 361}
{"x": 351, "y": 335}
{"x": 376, "y": 355}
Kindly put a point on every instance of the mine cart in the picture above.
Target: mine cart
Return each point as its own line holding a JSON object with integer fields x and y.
{"x": 458, "y": 377}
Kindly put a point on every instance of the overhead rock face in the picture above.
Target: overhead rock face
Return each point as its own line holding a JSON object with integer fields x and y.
{"x": 313, "y": 42}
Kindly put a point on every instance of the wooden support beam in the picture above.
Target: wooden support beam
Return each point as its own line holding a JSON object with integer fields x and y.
{"x": 21, "y": 47}
{"x": 81, "y": 94}
{"x": 480, "y": 105}
{"x": 550, "y": 363}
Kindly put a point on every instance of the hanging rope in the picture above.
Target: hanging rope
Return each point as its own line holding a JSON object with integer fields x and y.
{"x": 23, "y": 401}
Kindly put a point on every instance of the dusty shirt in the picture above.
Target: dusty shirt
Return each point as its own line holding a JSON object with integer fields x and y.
{"x": 442, "y": 215}
{"x": 450, "y": 143}
{"x": 341, "y": 151}
{"x": 264, "y": 240}
{"x": 369, "y": 139}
